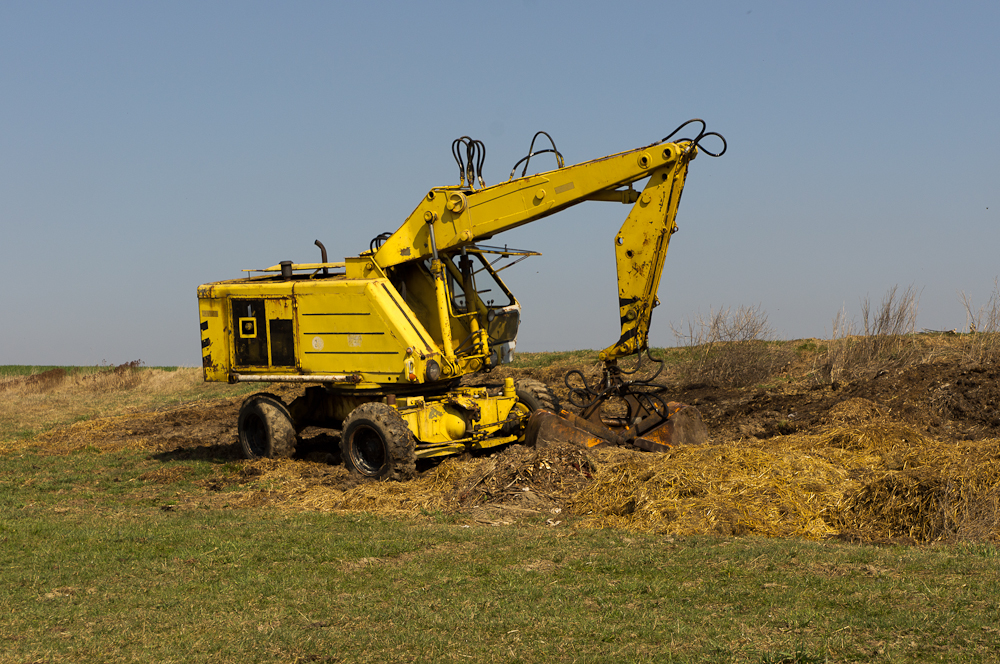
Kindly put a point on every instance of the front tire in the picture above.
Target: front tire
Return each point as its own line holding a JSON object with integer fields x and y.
{"x": 265, "y": 428}
{"x": 536, "y": 395}
{"x": 377, "y": 444}
{"x": 532, "y": 395}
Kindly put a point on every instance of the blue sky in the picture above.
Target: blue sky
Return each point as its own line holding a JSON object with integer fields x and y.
{"x": 146, "y": 148}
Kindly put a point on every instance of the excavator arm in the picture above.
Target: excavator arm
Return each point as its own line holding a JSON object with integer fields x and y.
{"x": 450, "y": 218}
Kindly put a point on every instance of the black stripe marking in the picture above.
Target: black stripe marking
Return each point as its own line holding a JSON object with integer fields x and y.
{"x": 352, "y": 352}
{"x": 358, "y": 333}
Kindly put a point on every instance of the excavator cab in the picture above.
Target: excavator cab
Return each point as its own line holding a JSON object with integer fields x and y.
{"x": 476, "y": 300}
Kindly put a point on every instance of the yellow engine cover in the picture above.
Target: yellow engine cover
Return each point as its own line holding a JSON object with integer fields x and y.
{"x": 358, "y": 332}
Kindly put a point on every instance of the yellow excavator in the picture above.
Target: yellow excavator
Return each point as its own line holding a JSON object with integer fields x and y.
{"x": 384, "y": 338}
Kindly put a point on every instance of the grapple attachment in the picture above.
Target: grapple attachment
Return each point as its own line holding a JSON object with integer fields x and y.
{"x": 683, "y": 426}
{"x": 641, "y": 418}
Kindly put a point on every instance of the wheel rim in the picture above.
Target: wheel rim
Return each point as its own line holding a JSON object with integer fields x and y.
{"x": 255, "y": 435}
{"x": 368, "y": 451}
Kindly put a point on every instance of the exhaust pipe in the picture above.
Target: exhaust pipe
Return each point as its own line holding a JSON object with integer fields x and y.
{"x": 322, "y": 251}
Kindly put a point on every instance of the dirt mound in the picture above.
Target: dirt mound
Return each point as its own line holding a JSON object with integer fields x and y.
{"x": 943, "y": 399}
{"x": 183, "y": 430}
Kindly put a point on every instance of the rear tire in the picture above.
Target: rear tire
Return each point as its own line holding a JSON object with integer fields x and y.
{"x": 265, "y": 428}
{"x": 377, "y": 444}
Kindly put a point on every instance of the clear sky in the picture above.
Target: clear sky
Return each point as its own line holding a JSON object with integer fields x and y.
{"x": 146, "y": 148}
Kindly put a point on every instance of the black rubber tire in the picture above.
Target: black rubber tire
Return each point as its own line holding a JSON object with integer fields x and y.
{"x": 265, "y": 428}
{"x": 377, "y": 444}
{"x": 536, "y": 395}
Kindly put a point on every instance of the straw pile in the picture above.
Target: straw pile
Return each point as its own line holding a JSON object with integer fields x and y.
{"x": 879, "y": 481}
{"x": 875, "y": 481}
{"x": 725, "y": 489}
{"x": 519, "y": 479}
{"x": 926, "y": 490}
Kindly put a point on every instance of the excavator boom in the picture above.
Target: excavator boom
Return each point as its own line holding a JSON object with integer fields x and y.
{"x": 449, "y": 218}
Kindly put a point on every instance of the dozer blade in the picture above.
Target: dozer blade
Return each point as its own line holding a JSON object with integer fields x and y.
{"x": 545, "y": 428}
{"x": 593, "y": 428}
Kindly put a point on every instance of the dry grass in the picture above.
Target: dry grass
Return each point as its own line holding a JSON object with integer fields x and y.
{"x": 34, "y": 404}
{"x": 860, "y": 474}
{"x": 883, "y": 340}
{"x": 731, "y": 348}
{"x": 518, "y": 481}
{"x": 983, "y": 344}
{"x": 880, "y": 481}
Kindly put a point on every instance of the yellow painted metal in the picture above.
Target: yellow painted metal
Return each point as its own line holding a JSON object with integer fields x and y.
{"x": 432, "y": 451}
{"x": 383, "y": 335}
{"x": 215, "y": 335}
{"x": 507, "y": 205}
{"x": 441, "y": 300}
{"x": 466, "y": 416}
{"x": 640, "y": 248}
{"x": 339, "y": 326}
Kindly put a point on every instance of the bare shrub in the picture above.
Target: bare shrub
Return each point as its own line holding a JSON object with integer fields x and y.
{"x": 983, "y": 344}
{"x": 837, "y": 353}
{"x": 884, "y": 338}
{"x": 894, "y": 318}
{"x": 731, "y": 348}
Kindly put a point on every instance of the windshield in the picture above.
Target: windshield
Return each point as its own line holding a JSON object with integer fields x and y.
{"x": 474, "y": 271}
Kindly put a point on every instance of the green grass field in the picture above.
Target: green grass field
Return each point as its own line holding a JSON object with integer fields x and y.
{"x": 132, "y": 555}
{"x": 100, "y": 563}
